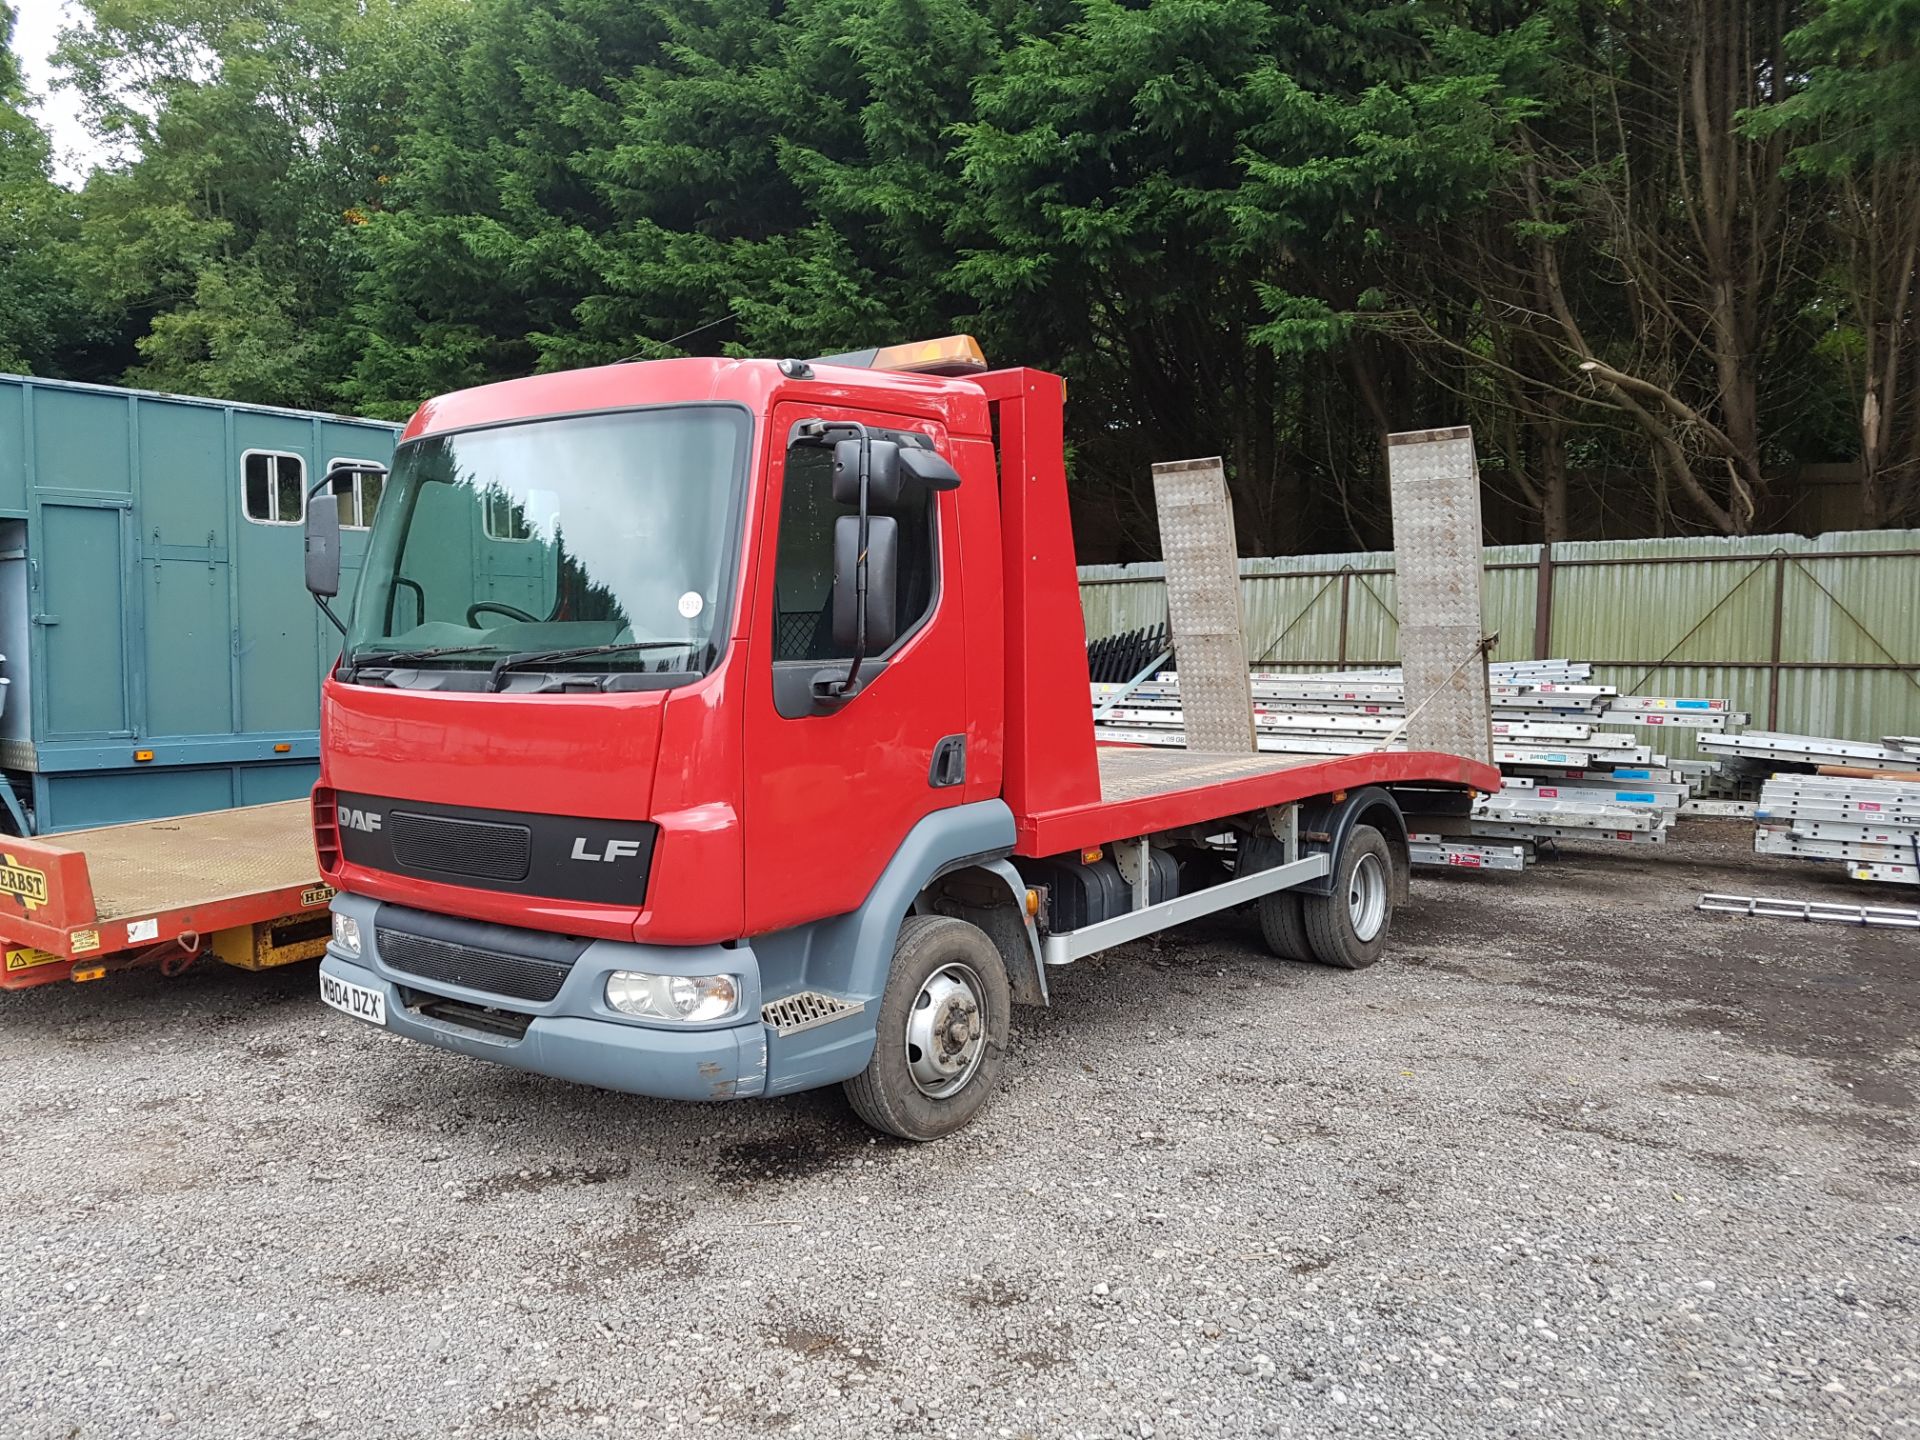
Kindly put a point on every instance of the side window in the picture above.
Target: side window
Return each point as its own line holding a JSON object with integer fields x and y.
{"x": 803, "y": 563}
{"x": 357, "y": 505}
{"x": 504, "y": 518}
{"x": 273, "y": 487}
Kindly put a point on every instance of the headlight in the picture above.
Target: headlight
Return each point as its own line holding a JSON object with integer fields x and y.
{"x": 346, "y": 933}
{"x": 690, "y": 999}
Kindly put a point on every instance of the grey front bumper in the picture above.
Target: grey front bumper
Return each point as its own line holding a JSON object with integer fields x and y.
{"x": 576, "y": 1036}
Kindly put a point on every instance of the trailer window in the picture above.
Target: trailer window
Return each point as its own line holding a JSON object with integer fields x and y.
{"x": 358, "y": 504}
{"x": 274, "y": 487}
{"x": 803, "y": 567}
{"x": 504, "y": 518}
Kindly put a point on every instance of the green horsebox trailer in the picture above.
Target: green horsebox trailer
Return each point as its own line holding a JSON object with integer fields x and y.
{"x": 162, "y": 655}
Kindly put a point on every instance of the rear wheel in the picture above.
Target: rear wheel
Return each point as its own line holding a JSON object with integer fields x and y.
{"x": 941, "y": 1031}
{"x": 1348, "y": 929}
{"x": 1282, "y": 925}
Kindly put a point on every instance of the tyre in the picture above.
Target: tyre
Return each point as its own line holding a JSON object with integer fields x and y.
{"x": 941, "y": 1031}
{"x": 1348, "y": 929}
{"x": 1281, "y": 924}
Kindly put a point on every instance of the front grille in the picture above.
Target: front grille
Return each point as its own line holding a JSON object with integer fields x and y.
{"x": 504, "y": 1024}
{"x": 326, "y": 830}
{"x": 521, "y": 976}
{"x": 460, "y": 847}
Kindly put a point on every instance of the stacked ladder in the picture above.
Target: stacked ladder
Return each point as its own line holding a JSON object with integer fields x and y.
{"x": 1761, "y": 752}
{"x": 1870, "y": 826}
{"x": 1854, "y": 802}
{"x": 1571, "y": 772}
{"x": 1767, "y": 907}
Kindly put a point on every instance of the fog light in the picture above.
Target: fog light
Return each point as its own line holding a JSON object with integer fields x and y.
{"x": 689, "y": 999}
{"x": 346, "y": 933}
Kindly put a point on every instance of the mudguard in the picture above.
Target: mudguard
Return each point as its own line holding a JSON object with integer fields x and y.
{"x": 1324, "y": 825}
{"x": 849, "y": 956}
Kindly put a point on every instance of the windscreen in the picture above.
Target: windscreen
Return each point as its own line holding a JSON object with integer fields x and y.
{"x": 581, "y": 532}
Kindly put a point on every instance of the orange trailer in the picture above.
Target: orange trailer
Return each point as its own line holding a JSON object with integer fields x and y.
{"x": 238, "y": 885}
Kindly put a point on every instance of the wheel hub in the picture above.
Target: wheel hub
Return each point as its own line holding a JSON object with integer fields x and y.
{"x": 1367, "y": 897}
{"x": 946, "y": 1031}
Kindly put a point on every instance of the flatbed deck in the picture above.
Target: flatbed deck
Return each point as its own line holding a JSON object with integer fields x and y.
{"x": 126, "y": 892}
{"x": 1144, "y": 789}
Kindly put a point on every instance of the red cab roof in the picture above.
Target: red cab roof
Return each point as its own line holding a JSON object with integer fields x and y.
{"x": 959, "y": 404}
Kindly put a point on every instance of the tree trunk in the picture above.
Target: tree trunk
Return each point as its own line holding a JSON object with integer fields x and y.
{"x": 1554, "y": 526}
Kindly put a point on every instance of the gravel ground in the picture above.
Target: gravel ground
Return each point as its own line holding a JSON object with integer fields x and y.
{"x": 1574, "y": 1161}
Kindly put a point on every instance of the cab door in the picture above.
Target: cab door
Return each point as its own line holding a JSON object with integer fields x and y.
{"x": 830, "y": 793}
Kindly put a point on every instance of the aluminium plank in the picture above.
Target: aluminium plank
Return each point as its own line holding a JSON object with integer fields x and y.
{"x": 1887, "y": 874}
{"x": 1846, "y": 830}
{"x": 1440, "y": 851}
{"x": 1521, "y": 831}
{"x": 1767, "y": 841}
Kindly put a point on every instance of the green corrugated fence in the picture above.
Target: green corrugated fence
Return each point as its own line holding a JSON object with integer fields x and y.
{"x": 1815, "y": 636}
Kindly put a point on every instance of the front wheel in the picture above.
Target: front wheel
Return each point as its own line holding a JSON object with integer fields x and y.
{"x": 1348, "y": 929}
{"x": 941, "y": 1032}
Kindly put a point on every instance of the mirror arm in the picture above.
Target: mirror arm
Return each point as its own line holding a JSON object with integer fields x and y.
{"x": 326, "y": 482}
{"x": 821, "y": 432}
{"x": 860, "y": 572}
{"x": 825, "y": 688}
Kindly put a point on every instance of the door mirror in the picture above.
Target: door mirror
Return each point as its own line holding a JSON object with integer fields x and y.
{"x": 323, "y": 534}
{"x": 883, "y": 475}
{"x": 883, "y": 574}
{"x": 323, "y": 549}
{"x": 929, "y": 467}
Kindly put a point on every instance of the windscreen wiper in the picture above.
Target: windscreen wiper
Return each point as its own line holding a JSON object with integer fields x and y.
{"x": 404, "y": 657}
{"x": 578, "y": 652}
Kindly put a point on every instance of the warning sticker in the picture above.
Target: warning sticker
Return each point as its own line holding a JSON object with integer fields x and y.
{"x": 23, "y": 882}
{"x": 84, "y": 940}
{"x": 27, "y": 958}
{"x": 317, "y": 895}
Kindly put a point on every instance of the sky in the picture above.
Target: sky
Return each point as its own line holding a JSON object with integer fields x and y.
{"x": 74, "y": 150}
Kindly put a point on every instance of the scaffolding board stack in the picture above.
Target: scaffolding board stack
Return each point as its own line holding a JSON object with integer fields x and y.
{"x": 1870, "y": 826}
{"x": 1571, "y": 772}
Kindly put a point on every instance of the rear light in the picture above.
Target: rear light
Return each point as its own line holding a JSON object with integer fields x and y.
{"x": 326, "y": 830}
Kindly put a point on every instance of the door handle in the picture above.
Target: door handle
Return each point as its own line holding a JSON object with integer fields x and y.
{"x": 46, "y": 619}
{"x": 949, "y": 762}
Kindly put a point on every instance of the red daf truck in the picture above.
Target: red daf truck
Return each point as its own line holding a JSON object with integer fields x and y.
{"x": 718, "y": 728}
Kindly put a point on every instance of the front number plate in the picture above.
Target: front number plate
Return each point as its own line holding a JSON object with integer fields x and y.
{"x": 355, "y": 1000}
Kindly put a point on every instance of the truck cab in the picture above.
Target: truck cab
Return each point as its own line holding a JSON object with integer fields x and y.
{"x": 709, "y": 728}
